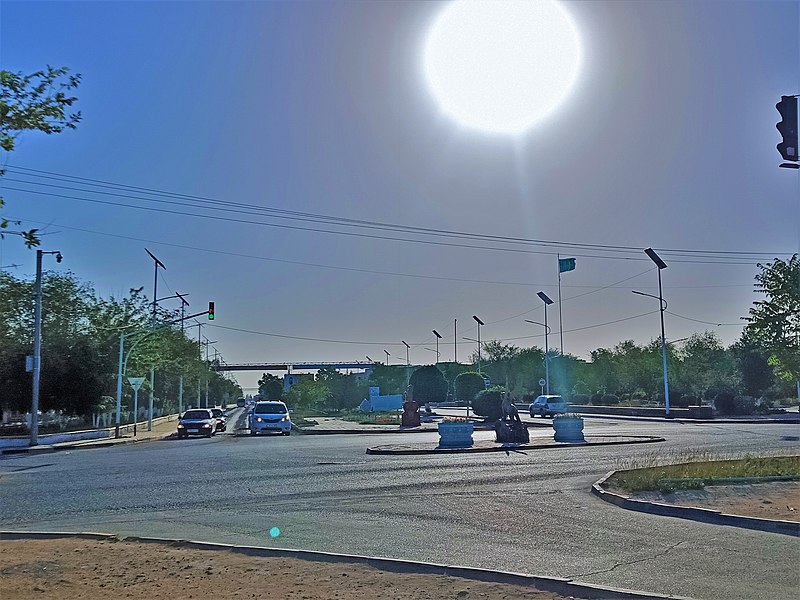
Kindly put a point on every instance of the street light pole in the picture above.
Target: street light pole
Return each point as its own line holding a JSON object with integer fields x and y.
{"x": 547, "y": 301}
{"x": 386, "y": 352}
{"x": 438, "y": 337}
{"x": 37, "y": 345}
{"x": 546, "y": 355}
{"x": 661, "y": 265}
{"x": 479, "y": 322}
{"x": 455, "y": 341}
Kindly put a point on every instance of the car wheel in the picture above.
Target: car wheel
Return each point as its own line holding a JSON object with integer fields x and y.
{"x": 542, "y": 414}
{"x": 252, "y": 432}
{"x": 288, "y": 433}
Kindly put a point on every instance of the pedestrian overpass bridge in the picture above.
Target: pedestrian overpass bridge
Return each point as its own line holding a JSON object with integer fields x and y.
{"x": 289, "y": 366}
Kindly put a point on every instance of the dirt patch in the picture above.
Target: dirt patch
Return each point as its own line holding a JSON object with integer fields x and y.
{"x": 95, "y": 570}
{"x": 776, "y": 500}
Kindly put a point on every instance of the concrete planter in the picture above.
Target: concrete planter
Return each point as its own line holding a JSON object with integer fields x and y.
{"x": 568, "y": 429}
{"x": 453, "y": 435}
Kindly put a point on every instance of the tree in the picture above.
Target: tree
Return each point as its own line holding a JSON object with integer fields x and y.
{"x": 307, "y": 394}
{"x": 467, "y": 385}
{"x": 429, "y": 385}
{"x": 489, "y": 403}
{"x": 270, "y": 387}
{"x": 391, "y": 379}
{"x": 36, "y": 102}
{"x": 774, "y": 323}
{"x": 343, "y": 389}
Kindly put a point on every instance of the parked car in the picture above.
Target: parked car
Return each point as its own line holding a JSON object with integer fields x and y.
{"x": 270, "y": 416}
{"x": 222, "y": 419}
{"x": 197, "y": 421}
{"x": 241, "y": 402}
{"x": 547, "y": 406}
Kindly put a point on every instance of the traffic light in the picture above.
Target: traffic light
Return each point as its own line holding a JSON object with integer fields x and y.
{"x": 210, "y": 311}
{"x": 788, "y": 127}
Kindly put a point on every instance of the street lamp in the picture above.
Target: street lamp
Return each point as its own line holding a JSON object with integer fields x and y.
{"x": 37, "y": 344}
{"x": 546, "y": 354}
{"x": 438, "y": 337}
{"x": 479, "y": 322}
{"x": 386, "y": 352}
{"x": 408, "y": 362}
{"x": 547, "y": 302}
{"x": 662, "y": 305}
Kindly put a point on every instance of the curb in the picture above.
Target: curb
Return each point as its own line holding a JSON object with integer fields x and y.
{"x": 790, "y": 421}
{"x": 630, "y": 439}
{"x": 703, "y": 515}
{"x": 558, "y": 585}
{"x": 45, "y": 449}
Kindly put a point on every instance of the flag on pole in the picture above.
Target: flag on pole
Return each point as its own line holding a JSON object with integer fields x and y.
{"x": 566, "y": 264}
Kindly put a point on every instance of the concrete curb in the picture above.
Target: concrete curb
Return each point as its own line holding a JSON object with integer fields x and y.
{"x": 45, "y": 449}
{"x": 789, "y": 421}
{"x": 629, "y": 439}
{"x": 558, "y": 585}
{"x": 703, "y": 515}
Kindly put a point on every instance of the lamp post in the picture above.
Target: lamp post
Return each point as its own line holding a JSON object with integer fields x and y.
{"x": 436, "y": 351}
{"x": 438, "y": 337}
{"x": 547, "y": 302}
{"x": 455, "y": 341}
{"x": 660, "y": 264}
{"x": 546, "y": 354}
{"x": 37, "y": 345}
{"x": 386, "y": 352}
{"x": 479, "y": 322}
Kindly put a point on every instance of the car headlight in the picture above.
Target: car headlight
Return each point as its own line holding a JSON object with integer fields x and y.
{"x": 258, "y": 419}
{"x": 206, "y": 424}
{"x": 180, "y": 425}
{"x": 285, "y": 419}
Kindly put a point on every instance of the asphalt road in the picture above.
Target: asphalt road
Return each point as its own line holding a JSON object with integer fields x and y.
{"x": 527, "y": 512}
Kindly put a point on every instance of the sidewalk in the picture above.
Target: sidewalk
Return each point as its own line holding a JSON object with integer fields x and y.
{"x": 160, "y": 431}
{"x": 331, "y": 425}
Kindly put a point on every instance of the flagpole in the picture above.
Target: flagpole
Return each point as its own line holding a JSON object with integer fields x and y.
{"x": 560, "y": 322}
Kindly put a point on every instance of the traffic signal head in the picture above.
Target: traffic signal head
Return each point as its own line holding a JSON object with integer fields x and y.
{"x": 788, "y": 127}
{"x": 210, "y": 311}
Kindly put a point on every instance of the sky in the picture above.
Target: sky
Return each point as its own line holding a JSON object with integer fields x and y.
{"x": 667, "y": 140}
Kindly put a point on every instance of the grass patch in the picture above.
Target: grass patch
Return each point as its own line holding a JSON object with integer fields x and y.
{"x": 696, "y": 474}
{"x": 303, "y": 422}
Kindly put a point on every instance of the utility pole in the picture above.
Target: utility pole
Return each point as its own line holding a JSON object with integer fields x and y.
{"x": 37, "y": 345}
{"x": 156, "y": 263}
{"x": 184, "y": 304}
{"x": 455, "y": 341}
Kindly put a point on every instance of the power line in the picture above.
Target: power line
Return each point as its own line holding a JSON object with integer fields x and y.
{"x": 318, "y": 218}
{"x": 701, "y": 321}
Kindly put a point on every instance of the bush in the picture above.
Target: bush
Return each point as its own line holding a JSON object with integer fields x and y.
{"x": 488, "y": 403}
{"x": 744, "y": 405}
{"x": 609, "y": 400}
{"x": 678, "y": 400}
{"x": 580, "y": 389}
{"x": 429, "y": 385}
{"x": 467, "y": 385}
{"x": 528, "y": 398}
{"x": 580, "y": 399}
{"x": 597, "y": 399}
{"x": 723, "y": 403}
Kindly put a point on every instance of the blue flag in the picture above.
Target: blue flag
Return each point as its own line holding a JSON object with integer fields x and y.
{"x": 566, "y": 264}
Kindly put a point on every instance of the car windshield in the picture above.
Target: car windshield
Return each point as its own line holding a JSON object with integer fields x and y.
{"x": 217, "y": 412}
{"x": 269, "y": 408}
{"x": 195, "y": 415}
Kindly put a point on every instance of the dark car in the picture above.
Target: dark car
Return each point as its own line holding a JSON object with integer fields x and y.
{"x": 222, "y": 420}
{"x": 197, "y": 421}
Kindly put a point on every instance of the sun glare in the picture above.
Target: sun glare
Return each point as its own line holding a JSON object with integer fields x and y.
{"x": 501, "y": 66}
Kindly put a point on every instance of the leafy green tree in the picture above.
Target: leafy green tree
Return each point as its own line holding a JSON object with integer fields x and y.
{"x": 489, "y": 403}
{"x": 37, "y": 102}
{"x": 307, "y": 394}
{"x": 429, "y": 385}
{"x": 343, "y": 389}
{"x": 467, "y": 385}
{"x": 270, "y": 387}
{"x": 774, "y": 323}
{"x": 391, "y": 379}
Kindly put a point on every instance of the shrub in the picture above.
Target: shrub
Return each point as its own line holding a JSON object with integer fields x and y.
{"x": 528, "y": 398}
{"x": 678, "y": 400}
{"x": 580, "y": 399}
{"x": 429, "y": 385}
{"x": 488, "y": 403}
{"x": 467, "y": 385}
{"x": 609, "y": 400}
{"x": 597, "y": 399}
{"x": 744, "y": 405}
{"x": 723, "y": 403}
{"x": 580, "y": 389}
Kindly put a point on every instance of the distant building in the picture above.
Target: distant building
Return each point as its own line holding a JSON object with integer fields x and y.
{"x": 291, "y": 379}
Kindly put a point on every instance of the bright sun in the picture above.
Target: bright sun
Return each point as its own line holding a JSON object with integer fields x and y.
{"x": 501, "y": 65}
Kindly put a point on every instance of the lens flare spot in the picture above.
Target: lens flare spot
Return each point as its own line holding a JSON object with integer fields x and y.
{"x": 274, "y": 532}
